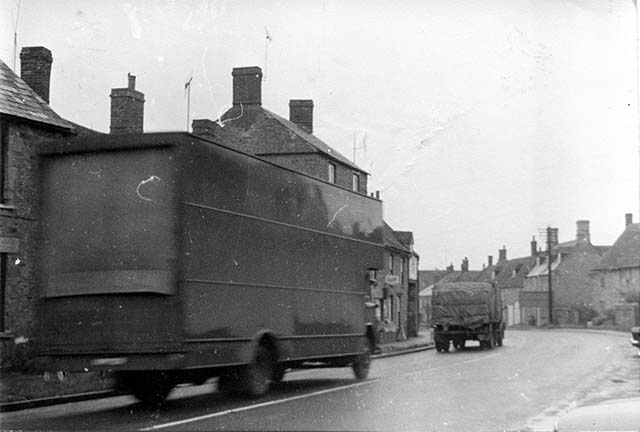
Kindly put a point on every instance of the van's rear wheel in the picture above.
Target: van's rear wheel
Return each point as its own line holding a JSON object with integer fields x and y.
{"x": 256, "y": 377}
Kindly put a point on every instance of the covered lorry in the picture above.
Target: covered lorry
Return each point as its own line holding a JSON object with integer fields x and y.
{"x": 462, "y": 311}
{"x": 167, "y": 258}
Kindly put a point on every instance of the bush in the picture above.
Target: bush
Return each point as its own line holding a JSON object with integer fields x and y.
{"x": 585, "y": 313}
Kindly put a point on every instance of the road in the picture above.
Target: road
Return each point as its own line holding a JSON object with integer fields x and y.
{"x": 523, "y": 385}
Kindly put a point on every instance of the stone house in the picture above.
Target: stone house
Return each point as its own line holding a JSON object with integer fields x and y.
{"x": 412, "y": 280}
{"x": 617, "y": 277}
{"x": 509, "y": 275}
{"x": 391, "y": 291}
{"x": 250, "y": 128}
{"x": 26, "y": 120}
{"x": 573, "y": 289}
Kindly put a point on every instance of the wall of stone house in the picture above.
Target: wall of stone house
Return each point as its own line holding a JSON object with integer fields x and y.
{"x": 269, "y": 142}
{"x": 615, "y": 286}
{"x": 18, "y": 234}
{"x": 627, "y": 315}
{"x": 511, "y": 305}
{"x": 399, "y": 292}
{"x": 316, "y": 165}
{"x": 574, "y": 288}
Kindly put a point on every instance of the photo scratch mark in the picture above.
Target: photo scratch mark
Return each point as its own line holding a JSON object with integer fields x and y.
{"x": 336, "y": 214}
{"x": 221, "y": 122}
{"x": 152, "y": 179}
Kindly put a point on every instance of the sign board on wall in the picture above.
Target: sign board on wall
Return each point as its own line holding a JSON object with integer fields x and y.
{"x": 392, "y": 279}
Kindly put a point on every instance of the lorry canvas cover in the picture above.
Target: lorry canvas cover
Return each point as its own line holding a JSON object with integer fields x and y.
{"x": 465, "y": 304}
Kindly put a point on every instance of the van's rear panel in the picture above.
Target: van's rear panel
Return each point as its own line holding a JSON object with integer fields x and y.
{"x": 108, "y": 256}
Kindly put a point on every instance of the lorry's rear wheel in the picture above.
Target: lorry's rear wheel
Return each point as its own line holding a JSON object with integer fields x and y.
{"x": 361, "y": 364}
{"x": 150, "y": 388}
{"x": 256, "y": 377}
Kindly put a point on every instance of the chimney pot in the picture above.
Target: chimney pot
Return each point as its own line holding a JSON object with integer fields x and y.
{"x": 502, "y": 254}
{"x": 378, "y": 194}
{"x": 35, "y": 69}
{"x": 301, "y": 113}
{"x": 127, "y": 109}
{"x": 628, "y": 219}
{"x": 490, "y": 260}
{"x": 247, "y": 85}
{"x": 465, "y": 265}
{"x": 534, "y": 247}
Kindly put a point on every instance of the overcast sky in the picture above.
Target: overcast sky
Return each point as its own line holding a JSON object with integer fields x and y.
{"x": 483, "y": 121}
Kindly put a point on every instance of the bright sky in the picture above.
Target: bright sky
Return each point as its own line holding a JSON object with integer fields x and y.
{"x": 484, "y": 122}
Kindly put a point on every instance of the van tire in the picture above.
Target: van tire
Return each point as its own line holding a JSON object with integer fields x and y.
{"x": 257, "y": 376}
{"x": 362, "y": 364}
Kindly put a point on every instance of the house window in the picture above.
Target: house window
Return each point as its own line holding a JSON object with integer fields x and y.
{"x": 4, "y": 164}
{"x": 402, "y": 268}
{"x": 332, "y": 173}
{"x": 3, "y": 290}
{"x": 391, "y": 264}
{"x": 355, "y": 182}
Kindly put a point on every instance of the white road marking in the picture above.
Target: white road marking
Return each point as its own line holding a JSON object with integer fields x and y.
{"x": 259, "y": 405}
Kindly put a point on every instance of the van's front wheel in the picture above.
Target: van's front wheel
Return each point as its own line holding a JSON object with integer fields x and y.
{"x": 361, "y": 364}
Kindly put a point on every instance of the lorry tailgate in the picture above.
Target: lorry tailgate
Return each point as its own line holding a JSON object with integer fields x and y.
{"x": 108, "y": 255}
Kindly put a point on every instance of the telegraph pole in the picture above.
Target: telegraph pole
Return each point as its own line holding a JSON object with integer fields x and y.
{"x": 552, "y": 238}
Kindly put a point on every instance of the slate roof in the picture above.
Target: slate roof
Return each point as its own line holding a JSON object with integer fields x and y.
{"x": 512, "y": 273}
{"x": 247, "y": 116}
{"x": 19, "y": 100}
{"x": 389, "y": 239}
{"x": 429, "y": 277}
{"x": 405, "y": 237}
{"x": 625, "y": 252}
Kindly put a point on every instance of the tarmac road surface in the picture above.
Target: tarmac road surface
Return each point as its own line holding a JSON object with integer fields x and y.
{"x": 523, "y": 385}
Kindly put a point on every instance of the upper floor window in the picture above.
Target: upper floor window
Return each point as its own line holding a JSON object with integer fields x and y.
{"x": 4, "y": 164}
{"x": 391, "y": 264}
{"x": 355, "y": 182}
{"x": 331, "y": 173}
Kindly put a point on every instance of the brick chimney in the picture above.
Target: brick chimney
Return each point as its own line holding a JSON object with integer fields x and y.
{"x": 502, "y": 254}
{"x": 465, "y": 265}
{"x": 628, "y": 219}
{"x": 301, "y": 113}
{"x": 204, "y": 128}
{"x": 247, "y": 85}
{"x": 582, "y": 230}
{"x": 127, "y": 109}
{"x": 554, "y": 237}
{"x": 490, "y": 260}
{"x": 534, "y": 247}
{"x": 35, "y": 69}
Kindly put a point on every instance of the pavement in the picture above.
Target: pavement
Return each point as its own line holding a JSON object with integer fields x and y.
{"x": 422, "y": 342}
